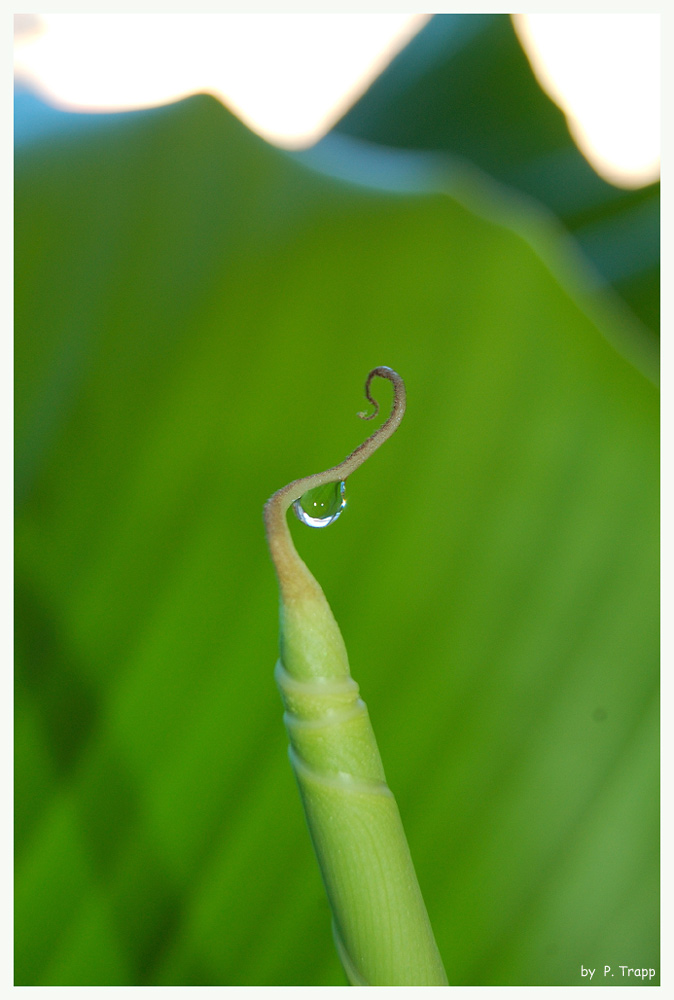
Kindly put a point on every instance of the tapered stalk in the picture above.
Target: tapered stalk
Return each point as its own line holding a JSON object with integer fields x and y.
{"x": 380, "y": 924}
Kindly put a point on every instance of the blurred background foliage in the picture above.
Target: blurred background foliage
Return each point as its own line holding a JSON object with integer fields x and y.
{"x": 464, "y": 86}
{"x": 196, "y": 312}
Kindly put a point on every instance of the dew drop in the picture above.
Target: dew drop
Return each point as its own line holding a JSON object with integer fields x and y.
{"x": 320, "y": 507}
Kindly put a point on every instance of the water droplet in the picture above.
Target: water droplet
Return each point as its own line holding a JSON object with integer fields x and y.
{"x": 320, "y": 507}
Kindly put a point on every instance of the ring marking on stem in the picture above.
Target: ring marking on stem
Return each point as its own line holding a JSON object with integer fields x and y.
{"x": 339, "y": 779}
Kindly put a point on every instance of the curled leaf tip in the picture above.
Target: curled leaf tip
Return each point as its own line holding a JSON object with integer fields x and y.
{"x": 383, "y": 371}
{"x": 278, "y": 535}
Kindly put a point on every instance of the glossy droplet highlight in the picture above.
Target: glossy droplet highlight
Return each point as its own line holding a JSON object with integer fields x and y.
{"x": 320, "y": 507}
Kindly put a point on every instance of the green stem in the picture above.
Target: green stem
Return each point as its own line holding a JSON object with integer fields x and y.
{"x": 381, "y": 928}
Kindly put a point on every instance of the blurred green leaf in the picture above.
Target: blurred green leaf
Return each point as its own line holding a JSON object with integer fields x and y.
{"x": 196, "y": 313}
{"x": 464, "y": 86}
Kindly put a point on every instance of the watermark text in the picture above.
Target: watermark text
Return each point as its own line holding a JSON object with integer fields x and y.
{"x": 625, "y": 971}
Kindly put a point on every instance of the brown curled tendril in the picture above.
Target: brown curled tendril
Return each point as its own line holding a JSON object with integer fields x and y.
{"x": 280, "y": 543}
{"x": 385, "y": 373}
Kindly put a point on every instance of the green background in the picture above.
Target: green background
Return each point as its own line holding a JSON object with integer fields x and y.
{"x": 196, "y": 313}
